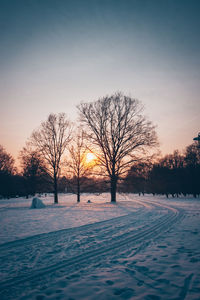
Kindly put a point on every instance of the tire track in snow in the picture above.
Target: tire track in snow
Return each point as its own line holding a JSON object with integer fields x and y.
{"x": 67, "y": 239}
{"x": 42, "y": 237}
{"x": 130, "y": 238}
{"x": 27, "y": 245}
{"x": 53, "y": 234}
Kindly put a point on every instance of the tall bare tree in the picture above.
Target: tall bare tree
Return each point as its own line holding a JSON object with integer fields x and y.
{"x": 116, "y": 127}
{"x": 78, "y": 165}
{"x": 51, "y": 140}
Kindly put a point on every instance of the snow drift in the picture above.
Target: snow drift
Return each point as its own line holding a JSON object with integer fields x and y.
{"x": 37, "y": 203}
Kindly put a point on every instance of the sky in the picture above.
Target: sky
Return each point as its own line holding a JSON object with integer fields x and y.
{"x": 57, "y": 54}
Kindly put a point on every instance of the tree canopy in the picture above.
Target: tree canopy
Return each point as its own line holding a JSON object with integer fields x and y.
{"x": 116, "y": 127}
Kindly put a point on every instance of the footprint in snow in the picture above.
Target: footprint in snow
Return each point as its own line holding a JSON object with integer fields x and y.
{"x": 154, "y": 259}
{"x": 142, "y": 269}
{"x": 195, "y": 232}
{"x": 175, "y": 266}
{"x": 109, "y": 282}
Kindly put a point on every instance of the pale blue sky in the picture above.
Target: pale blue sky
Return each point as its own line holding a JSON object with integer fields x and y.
{"x": 55, "y": 54}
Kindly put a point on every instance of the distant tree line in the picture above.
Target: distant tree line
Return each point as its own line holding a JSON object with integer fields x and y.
{"x": 172, "y": 175}
{"x": 121, "y": 139}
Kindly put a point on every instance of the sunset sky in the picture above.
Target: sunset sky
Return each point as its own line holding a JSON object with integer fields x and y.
{"x": 55, "y": 54}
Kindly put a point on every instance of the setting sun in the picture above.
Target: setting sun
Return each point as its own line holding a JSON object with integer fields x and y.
{"x": 90, "y": 157}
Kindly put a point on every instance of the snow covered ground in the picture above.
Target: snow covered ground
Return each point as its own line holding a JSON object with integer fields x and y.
{"x": 139, "y": 248}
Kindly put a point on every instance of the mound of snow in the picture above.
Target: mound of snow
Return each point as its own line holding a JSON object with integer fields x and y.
{"x": 37, "y": 203}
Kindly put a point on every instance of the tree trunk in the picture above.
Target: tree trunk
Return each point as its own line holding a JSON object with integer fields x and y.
{"x": 113, "y": 188}
{"x": 55, "y": 189}
{"x": 78, "y": 190}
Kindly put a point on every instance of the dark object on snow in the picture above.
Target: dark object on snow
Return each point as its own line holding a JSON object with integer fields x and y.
{"x": 37, "y": 203}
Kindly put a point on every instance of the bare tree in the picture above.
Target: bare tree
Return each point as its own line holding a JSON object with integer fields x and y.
{"x": 51, "y": 140}
{"x": 116, "y": 127}
{"x": 79, "y": 166}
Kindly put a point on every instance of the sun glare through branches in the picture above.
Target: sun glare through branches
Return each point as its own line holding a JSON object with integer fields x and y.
{"x": 90, "y": 158}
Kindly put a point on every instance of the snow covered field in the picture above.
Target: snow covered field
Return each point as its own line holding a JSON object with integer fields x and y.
{"x": 139, "y": 248}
